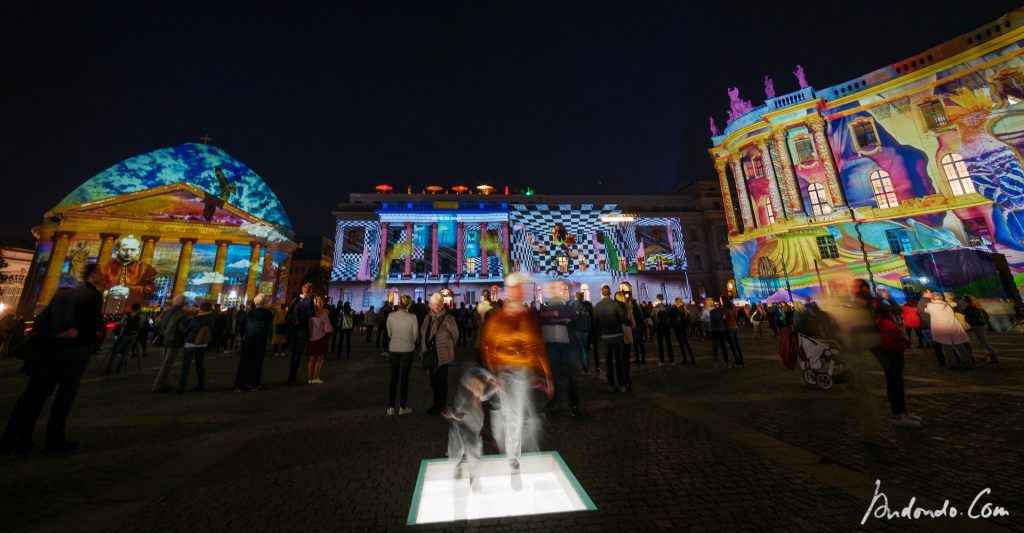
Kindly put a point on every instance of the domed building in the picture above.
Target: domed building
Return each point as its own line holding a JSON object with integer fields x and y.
{"x": 186, "y": 220}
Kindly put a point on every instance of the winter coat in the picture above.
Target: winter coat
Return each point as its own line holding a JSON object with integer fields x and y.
{"x": 445, "y": 332}
{"x": 911, "y": 318}
{"x": 946, "y": 329}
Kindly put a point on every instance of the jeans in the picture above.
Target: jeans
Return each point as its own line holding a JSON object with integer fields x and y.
{"x": 894, "y": 388}
{"x": 927, "y": 333}
{"x": 920, "y": 338}
{"x": 163, "y": 376}
{"x": 344, "y": 338}
{"x": 515, "y": 386}
{"x": 122, "y": 347}
{"x": 665, "y": 339}
{"x": 300, "y": 338}
{"x": 734, "y": 345}
{"x": 199, "y": 354}
{"x": 684, "y": 344}
{"x": 718, "y": 342}
{"x": 617, "y": 360}
{"x": 560, "y": 358}
{"x": 400, "y": 364}
{"x": 957, "y": 355}
{"x": 439, "y": 386}
{"x": 982, "y": 333}
{"x": 62, "y": 370}
{"x": 581, "y": 338}
{"x": 639, "y": 350}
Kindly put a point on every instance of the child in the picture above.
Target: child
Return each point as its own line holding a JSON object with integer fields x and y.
{"x": 467, "y": 417}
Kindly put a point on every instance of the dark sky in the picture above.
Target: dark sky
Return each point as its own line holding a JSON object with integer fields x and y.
{"x": 565, "y": 97}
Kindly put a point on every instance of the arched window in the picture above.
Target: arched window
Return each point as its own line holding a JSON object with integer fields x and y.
{"x": 956, "y": 172}
{"x": 881, "y": 186}
{"x": 819, "y": 201}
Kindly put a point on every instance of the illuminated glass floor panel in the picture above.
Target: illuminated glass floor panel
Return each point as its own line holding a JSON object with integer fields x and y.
{"x": 544, "y": 485}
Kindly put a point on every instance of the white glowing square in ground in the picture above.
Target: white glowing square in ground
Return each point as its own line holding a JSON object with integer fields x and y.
{"x": 544, "y": 485}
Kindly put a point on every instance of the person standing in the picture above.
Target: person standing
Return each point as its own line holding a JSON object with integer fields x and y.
{"x": 557, "y": 321}
{"x": 319, "y": 340}
{"x": 461, "y": 320}
{"x": 732, "y": 330}
{"x": 402, "y": 330}
{"x": 926, "y": 325}
{"x": 67, "y": 330}
{"x": 346, "y": 323}
{"x": 439, "y": 329}
{"x": 662, "y": 321}
{"x": 220, "y": 328}
{"x": 681, "y": 326}
{"x": 581, "y": 330}
{"x": 130, "y": 326}
{"x": 171, "y": 330}
{"x": 625, "y": 381}
{"x": 716, "y": 327}
{"x": 890, "y": 354}
{"x": 419, "y": 310}
{"x": 280, "y": 338}
{"x": 369, "y": 321}
{"x": 382, "y": 326}
{"x": 299, "y": 313}
{"x": 198, "y": 336}
{"x": 610, "y": 322}
{"x": 255, "y": 333}
{"x": 912, "y": 321}
{"x": 512, "y": 350}
{"x": 977, "y": 318}
{"x": 949, "y": 334}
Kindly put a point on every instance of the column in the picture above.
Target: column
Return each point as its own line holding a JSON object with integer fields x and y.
{"x": 184, "y": 262}
{"x": 507, "y": 259}
{"x": 219, "y": 262}
{"x": 790, "y": 188}
{"x": 254, "y": 271}
{"x": 723, "y": 182}
{"x": 407, "y": 274}
{"x": 435, "y": 254}
{"x": 483, "y": 251}
{"x": 382, "y": 268}
{"x": 148, "y": 248}
{"x": 460, "y": 238}
{"x": 58, "y": 255}
{"x": 835, "y": 191}
{"x": 741, "y": 193}
{"x": 106, "y": 248}
{"x": 773, "y": 184}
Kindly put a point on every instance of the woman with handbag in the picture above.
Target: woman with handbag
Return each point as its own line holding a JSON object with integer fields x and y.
{"x": 401, "y": 334}
{"x": 437, "y": 347}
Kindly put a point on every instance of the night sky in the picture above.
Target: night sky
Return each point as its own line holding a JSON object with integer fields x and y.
{"x": 566, "y": 97}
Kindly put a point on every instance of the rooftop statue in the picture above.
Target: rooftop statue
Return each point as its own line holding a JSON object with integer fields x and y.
{"x": 737, "y": 106}
{"x": 769, "y": 88}
{"x": 801, "y": 76}
{"x": 714, "y": 127}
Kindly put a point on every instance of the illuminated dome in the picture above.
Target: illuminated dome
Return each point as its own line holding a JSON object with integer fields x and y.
{"x": 192, "y": 163}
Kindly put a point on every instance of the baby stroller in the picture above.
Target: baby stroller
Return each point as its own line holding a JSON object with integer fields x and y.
{"x": 818, "y": 360}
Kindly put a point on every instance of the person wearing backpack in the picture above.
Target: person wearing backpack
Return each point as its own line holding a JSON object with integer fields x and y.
{"x": 346, "y": 322}
{"x": 663, "y": 329}
{"x": 198, "y": 335}
{"x": 130, "y": 326}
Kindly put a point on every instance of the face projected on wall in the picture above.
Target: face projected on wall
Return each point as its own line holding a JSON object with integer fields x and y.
{"x": 128, "y": 250}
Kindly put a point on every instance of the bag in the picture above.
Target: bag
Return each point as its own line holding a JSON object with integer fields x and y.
{"x": 963, "y": 321}
{"x": 346, "y": 322}
{"x": 203, "y": 336}
{"x": 430, "y": 354}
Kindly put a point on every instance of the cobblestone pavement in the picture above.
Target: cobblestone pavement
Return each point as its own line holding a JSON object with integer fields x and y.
{"x": 695, "y": 447}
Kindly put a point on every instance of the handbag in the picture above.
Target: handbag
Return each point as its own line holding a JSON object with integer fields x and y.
{"x": 430, "y": 354}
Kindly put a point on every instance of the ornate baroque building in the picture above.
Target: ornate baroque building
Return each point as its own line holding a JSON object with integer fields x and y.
{"x": 910, "y": 175}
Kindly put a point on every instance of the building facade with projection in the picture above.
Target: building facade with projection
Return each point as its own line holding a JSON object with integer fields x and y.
{"x": 417, "y": 244}
{"x": 910, "y": 175}
{"x": 187, "y": 220}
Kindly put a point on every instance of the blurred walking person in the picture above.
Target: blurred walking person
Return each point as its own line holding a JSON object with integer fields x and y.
{"x": 977, "y": 318}
{"x": 198, "y": 336}
{"x": 171, "y": 332}
{"x": 681, "y": 327}
{"x": 949, "y": 334}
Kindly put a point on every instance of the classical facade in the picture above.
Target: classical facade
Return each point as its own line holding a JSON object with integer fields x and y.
{"x": 417, "y": 244}
{"x": 910, "y": 175}
{"x": 18, "y": 263}
{"x": 187, "y": 220}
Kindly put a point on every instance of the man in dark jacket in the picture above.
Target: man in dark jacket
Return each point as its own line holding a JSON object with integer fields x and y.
{"x": 558, "y": 322}
{"x": 299, "y": 313}
{"x": 68, "y": 328}
{"x": 130, "y": 327}
{"x": 171, "y": 332}
{"x": 255, "y": 334}
{"x": 609, "y": 317}
{"x": 662, "y": 318}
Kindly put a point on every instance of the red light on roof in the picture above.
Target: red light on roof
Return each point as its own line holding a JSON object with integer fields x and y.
{"x": 384, "y": 188}
{"x": 434, "y": 189}
{"x": 485, "y": 189}
{"x": 460, "y": 189}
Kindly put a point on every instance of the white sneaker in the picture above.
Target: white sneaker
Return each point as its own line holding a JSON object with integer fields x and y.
{"x": 391, "y": 411}
{"x": 906, "y": 422}
{"x": 913, "y": 417}
{"x": 405, "y": 410}
{"x": 661, "y": 364}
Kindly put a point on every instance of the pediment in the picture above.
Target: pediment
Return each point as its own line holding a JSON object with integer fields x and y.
{"x": 176, "y": 202}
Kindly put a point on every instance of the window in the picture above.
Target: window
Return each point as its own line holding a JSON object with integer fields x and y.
{"x": 827, "y": 247}
{"x": 769, "y": 213}
{"x": 366, "y": 298}
{"x": 864, "y": 134}
{"x": 602, "y": 264}
{"x": 758, "y": 167}
{"x": 881, "y": 186}
{"x": 956, "y": 172}
{"x": 934, "y": 114}
{"x": 977, "y": 232}
{"x": 698, "y": 262}
{"x": 470, "y": 264}
{"x": 819, "y": 201}
{"x": 899, "y": 241}
{"x": 804, "y": 150}
{"x": 354, "y": 236}
{"x": 563, "y": 264}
